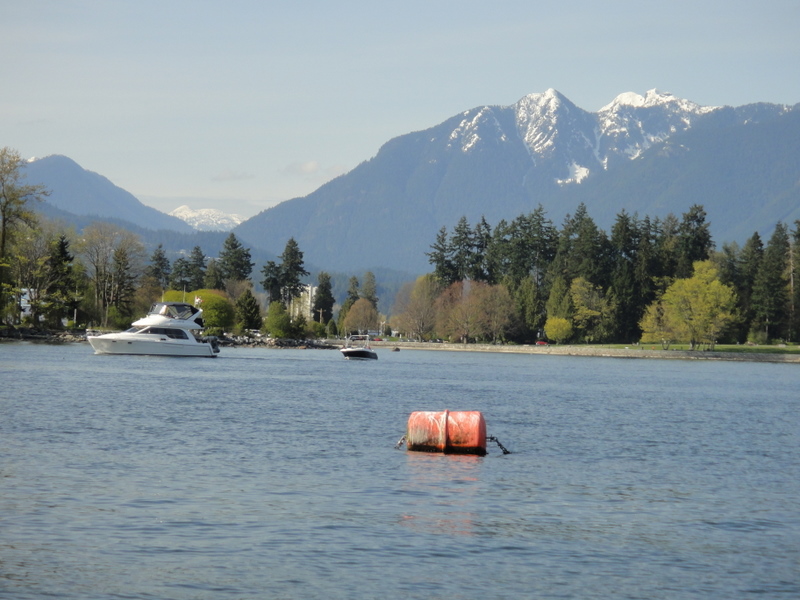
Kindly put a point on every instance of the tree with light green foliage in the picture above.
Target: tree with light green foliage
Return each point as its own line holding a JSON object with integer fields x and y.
{"x": 558, "y": 329}
{"x": 699, "y": 308}
{"x": 218, "y": 311}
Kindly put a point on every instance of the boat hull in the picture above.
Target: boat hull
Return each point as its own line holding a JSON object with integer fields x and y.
{"x": 121, "y": 344}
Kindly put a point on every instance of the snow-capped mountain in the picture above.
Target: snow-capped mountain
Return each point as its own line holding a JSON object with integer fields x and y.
{"x": 653, "y": 154}
{"x": 207, "y": 219}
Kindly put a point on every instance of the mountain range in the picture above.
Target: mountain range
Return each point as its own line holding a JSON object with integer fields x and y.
{"x": 207, "y": 219}
{"x": 651, "y": 155}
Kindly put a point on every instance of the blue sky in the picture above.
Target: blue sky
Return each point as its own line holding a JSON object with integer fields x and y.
{"x": 241, "y": 104}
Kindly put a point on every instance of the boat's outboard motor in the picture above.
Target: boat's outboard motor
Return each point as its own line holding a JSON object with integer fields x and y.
{"x": 214, "y": 342}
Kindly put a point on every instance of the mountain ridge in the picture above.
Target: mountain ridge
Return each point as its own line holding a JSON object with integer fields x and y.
{"x": 499, "y": 162}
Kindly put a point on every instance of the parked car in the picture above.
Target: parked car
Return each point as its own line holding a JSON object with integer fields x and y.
{"x": 542, "y": 343}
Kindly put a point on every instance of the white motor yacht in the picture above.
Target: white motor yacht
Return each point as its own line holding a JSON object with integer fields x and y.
{"x": 169, "y": 329}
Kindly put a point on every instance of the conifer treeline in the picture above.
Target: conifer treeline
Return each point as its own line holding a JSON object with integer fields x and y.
{"x": 626, "y": 270}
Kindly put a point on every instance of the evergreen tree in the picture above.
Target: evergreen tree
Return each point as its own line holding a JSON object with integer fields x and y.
{"x": 323, "y": 299}
{"x": 462, "y": 244}
{"x": 352, "y": 297}
{"x": 62, "y": 289}
{"x": 771, "y": 286}
{"x": 213, "y": 278}
{"x": 532, "y": 241}
{"x": 234, "y": 260}
{"x": 123, "y": 284}
{"x": 197, "y": 269}
{"x": 291, "y": 271}
{"x": 583, "y": 249}
{"x": 694, "y": 241}
{"x": 441, "y": 259}
{"x": 559, "y": 302}
{"x": 629, "y": 297}
{"x": 272, "y": 281}
{"x": 481, "y": 269}
{"x": 794, "y": 284}
{"x": 248, "y": 312}
{"x": 369, "y": 289}
{"x": 159, "y": 268}
{"x": 181, "y": 278}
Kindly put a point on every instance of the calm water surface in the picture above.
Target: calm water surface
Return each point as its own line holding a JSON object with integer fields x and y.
{"x": 273, "y": 474}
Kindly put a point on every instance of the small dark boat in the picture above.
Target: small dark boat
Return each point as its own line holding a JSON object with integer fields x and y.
{"x": 356, "y": 347}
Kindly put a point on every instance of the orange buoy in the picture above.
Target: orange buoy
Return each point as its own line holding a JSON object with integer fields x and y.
{"x": 456, "y": 432}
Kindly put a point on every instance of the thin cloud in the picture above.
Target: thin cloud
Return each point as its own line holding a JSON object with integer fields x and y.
{"x": 312, "y": 171}
{"x": 229, "y": 175}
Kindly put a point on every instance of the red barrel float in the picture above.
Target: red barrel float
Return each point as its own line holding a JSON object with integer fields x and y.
{"x": 454, "y": 432}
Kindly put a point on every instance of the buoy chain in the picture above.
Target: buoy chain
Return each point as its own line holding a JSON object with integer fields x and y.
{"x": 491, "y": 438}
{"x": 400, "y": 442}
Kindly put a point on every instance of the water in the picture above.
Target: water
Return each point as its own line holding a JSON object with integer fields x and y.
{"x": 273, "y": 474}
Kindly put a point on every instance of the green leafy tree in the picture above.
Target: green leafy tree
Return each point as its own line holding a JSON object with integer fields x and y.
{"x": 656, "y": 327}
{"x": 278, "y": 322}
{"x": 699, "y": 308}
{"x": 14, "y": 212}
{"x": 362, "y": 317}
{"x": 558, "y": 329}
{"x": 415, "y": 307}
{"x": 498, "y": 309}
{"x": 590, "y": 308}
{"x": 234, "y": 260}
{"x": 460, "y": 313}
{"x": 114, "y": 259}
{"x": 218, "y": 310}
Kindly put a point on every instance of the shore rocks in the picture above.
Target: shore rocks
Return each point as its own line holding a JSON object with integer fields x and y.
{"x": 42, "y": 335}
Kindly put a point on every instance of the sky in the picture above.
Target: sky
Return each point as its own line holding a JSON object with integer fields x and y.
{"x": 239, "y": 105}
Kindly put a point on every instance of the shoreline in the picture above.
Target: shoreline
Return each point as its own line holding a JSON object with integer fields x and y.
{"x": 637, "y": 352}
{"x": 579, "y": 350}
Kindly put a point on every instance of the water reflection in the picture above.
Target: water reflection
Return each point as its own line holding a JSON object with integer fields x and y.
{"x": 443, "y": 491}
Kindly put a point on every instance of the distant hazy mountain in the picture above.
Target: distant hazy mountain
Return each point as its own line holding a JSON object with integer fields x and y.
{"x": 76, "y": 191}
{"x": 651, "y": 154}
{"x": 207, "y": 219}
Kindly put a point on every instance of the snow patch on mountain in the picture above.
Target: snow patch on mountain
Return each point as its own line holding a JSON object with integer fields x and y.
{"x": 577, "y": 174}
{"x": 207, "y": 219}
